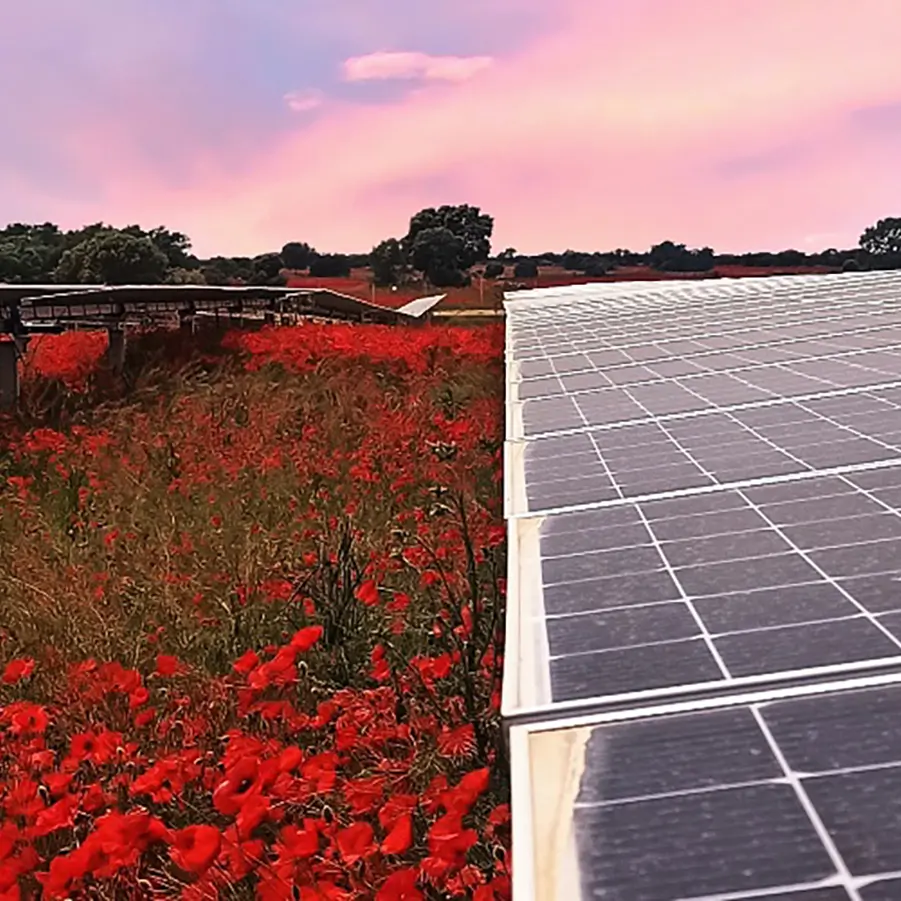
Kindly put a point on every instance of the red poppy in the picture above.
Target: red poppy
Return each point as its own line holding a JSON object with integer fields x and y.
{"x": 306, "y": 638}
{"x": 16, "y": 670}
{"x": 399, "y": 603}
{"x": 57, "y": 816}
{"x": 400, "y": 837}
{"x": 168, "y": 665}
{"x": 320, "y": 770}
{"x": 356, "y": 842}
{"x": 254, "y": 811}
{"x": 362, "y": 795}
{"x": 458, "y": 742}
{"x": 246, "y": 662}
{"x": 138, "y": 698}
{"x": 400, "y": 886}
{"x": 500, "y": 815}
{"x": 195, "y": 848}
{"x": 474, "y": 784}
{"x": 290, "y": 759}
{"x": 395, "y": 807}
{"x": 448, "y": 839}
{"x": 240, "y": 783}
{"x": 298, "y": 844}
{"x": 368, "y": 593}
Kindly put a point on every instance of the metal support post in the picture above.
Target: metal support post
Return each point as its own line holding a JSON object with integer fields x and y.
{"x": 116, "y": 349}
{"x": 9, "y": 375}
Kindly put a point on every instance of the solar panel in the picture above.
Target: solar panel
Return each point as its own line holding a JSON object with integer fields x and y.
{"x": 780, "y": 795}
{"x": 703, "y": 492}
{"x": 718, "y": 587}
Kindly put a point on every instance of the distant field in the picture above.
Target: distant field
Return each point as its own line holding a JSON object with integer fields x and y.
{"x": 491, "y": 293}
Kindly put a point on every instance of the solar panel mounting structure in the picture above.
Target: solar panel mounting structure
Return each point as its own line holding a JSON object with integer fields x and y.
{"x": 27, "y": 310}
{"x": 703, "y": 494}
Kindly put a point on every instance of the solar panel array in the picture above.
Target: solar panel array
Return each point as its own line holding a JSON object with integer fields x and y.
{"x": 704, "y": 494}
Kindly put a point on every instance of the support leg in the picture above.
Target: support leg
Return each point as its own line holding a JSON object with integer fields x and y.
{"x": 9, "y": 376}
{"x": 116, "y": 350}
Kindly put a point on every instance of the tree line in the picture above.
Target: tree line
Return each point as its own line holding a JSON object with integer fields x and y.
{"x": 443, "y": 247}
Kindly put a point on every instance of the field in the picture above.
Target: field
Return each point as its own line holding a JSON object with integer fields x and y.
{"x": 490, "y": 294}
{"x": 251, "y": 614}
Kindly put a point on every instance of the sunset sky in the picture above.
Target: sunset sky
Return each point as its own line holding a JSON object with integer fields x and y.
{"x": 590, "y": 124}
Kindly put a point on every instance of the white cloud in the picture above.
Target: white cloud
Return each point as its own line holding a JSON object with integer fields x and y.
{"x": 303, "y": 101}
{"x": 384, "y": 65}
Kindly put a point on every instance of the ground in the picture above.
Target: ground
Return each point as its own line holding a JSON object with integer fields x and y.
{"x": 251, "y": 618}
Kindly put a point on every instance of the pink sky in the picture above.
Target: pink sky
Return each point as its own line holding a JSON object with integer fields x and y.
{"x": 591, "y": 124}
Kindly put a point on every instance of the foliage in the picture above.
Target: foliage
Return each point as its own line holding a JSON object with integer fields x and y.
{"x": 227, "y": 270}
{"x": 387, "y": 262}
{"x": 670, "y": 257}
{"x": 185, "y": 277}
{"x": 267, "y": 269}
{"x": 525, "y": 269}
{"x": 330, "y": 265}
{"x": 250, "y": 626}
{"x": 296, "y": 255}
{"x": 174, "y": 245}
{"x": 883, "y": 238}
{"x": 572, "y": 261}
{"x": 594, "y": 268}
{"x": 436, "y": 252}
{"x": 29, "y": 253}
{"x": 114, "y": 258}
{"x": 34, "y": 253}
{"x": 493, "y": 270}
{"x": 442, "y": 242}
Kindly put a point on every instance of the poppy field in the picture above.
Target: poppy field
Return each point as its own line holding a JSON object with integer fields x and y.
{"x": 251, "y": 618}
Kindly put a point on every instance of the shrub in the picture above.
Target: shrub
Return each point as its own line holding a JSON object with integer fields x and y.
{"x": 525, "y": 269}
{"x": 330, "y": 265}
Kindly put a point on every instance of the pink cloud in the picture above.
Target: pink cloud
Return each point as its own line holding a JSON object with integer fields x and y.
{"x": 384, "y": 65}
{"x": 304, "y": 101}
{"x": 731, "y": 125}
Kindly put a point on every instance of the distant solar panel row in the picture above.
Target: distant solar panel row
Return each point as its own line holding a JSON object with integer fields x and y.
{"x": 704, "y": 494}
